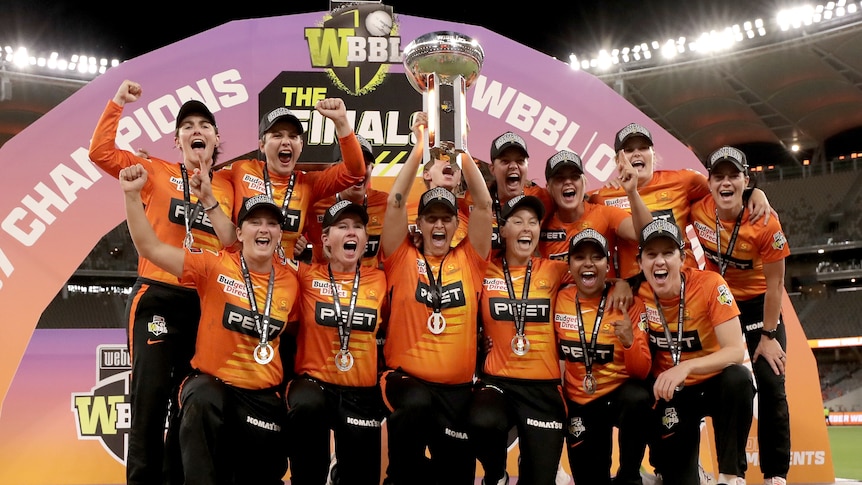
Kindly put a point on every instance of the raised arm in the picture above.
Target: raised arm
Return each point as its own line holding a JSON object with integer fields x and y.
{"x": 479, "y": 229}
{"x": 200, "y": 184}
{"x": 334, "y": 109}
{"x": 628, "y": 177}
{"x": 395, "y": 220}
{"x": 169, "y": 258}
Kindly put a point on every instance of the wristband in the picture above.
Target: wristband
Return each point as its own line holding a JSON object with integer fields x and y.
{"x": 214, "y": 206}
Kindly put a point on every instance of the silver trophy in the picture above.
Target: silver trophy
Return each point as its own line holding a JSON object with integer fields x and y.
{"x": 443, "y": 59}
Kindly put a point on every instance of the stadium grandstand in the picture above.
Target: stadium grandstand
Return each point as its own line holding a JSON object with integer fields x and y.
{"x": 786, "y": 90}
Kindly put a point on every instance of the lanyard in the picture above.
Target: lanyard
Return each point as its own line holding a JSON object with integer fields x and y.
{"x": 724, "y": 259}
{"x": 675, "y": 346}
{"x": 288, "y": 194}
{"x": 189, "y": 240}
{"x": 436, "y": 286}
{"x": 262, "y": 328}
{"x": 519, "y": 307}
{"x": 589, "y": 348}
{"x": 344, "y": 324}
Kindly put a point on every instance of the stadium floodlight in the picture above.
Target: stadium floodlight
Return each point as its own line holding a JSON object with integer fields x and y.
{"x": 668, "y": 50}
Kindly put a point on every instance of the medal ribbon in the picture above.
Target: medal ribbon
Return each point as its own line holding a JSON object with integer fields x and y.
{"x": 436, "y": 286}
{"x": 262, "y": 328}
{"x": 344, "y": 324}
{"x": 519, "y": 306}
{"x": 288, "y": 194}
{"x": 675, "y": 346}
{"x": 189, "y": 220}
{"x": 589, "y": 348}
{"x": 724, "y": 259}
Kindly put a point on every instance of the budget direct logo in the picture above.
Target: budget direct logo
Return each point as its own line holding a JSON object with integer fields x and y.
{"x": 104, "y": 413}
{"x": 356, "y": 44}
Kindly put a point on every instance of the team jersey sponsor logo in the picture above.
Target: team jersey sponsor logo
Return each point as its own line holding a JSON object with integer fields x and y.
{"x": 725, "y": 297}
{"x": 573, "y": 351}
{"x": 356, "y": 44}
{"x": 731, "y": 262}
{"x": 690, "y": 340}
{"x": 262, "y": 424}
{"x": 452, "y": 295}
{"x": 533, "y": 309}
{"x": 363, "y": 423}
{"x": 496, "y": 241}
{"x": 241, "y": 320}
{"x": 372, "y": 247}
{"x": 621, "y": 202}
{"x": 177, "y": 215}
{"x": 704, "y": 232}
{"x": 552, "y": 235}
{"x": 254, "y": 183}
{"x": 233, "y": 286}
{"x": 566, "y": 321}
{"x": 364, "y": 319}
{"x": 104, "y": 413}
{"x": 536, "y": 423}
{"x": 495, "y": 284}
{"x": 778, "y": 241}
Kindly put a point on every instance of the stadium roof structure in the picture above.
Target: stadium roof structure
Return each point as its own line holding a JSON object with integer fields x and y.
{"x": 804, "y": 89}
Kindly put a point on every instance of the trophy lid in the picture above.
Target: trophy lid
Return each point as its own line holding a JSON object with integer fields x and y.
{"x": 445, "y": 53}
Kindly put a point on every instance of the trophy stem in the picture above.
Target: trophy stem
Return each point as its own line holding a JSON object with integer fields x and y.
{"x": 431, "y": 102}
{"x": 460, "y": 92}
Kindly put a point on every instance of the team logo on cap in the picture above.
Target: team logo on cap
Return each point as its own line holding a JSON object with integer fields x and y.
{"x": 633, "y": 129}
{"x": 509, "y": 137}
{"x": 564, "y": 156}
{"x": 728, "y": 152}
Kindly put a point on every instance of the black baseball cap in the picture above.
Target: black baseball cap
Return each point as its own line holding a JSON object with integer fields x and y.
{"x": 260, "y": 201}
{"x": 276, "y": 115}
{"x": 660, "y": 228}
{"x": 438, "y": 195}
{"x": 728, "y": 154}
{"x": 342, "y": 208}
{"x": 563, "y": 158}
{"x": 631, "y": 130}
{"x": 507, "y": 140}
{"x": 518, "y": 202}
{"x": 193, "y": 107}
{"x": 587, "y": 236}
{"x": 367, "y": 150}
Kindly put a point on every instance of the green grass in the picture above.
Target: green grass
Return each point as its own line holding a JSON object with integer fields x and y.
{"x": 845, "y": 443}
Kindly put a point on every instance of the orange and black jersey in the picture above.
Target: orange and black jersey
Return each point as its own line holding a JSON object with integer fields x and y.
{"x": 755, "y": 245}
{"x": 375, "y": 205}
{"x": 708, "y": 303}
{"x": 447, "y": 358}
{"x": 228, "y": 335}
{"x": 246, "y": 177}
{"x": 499, "y": 313}
{"x": 668, "y": 196}
{"x": 163, "y": 194}
{"x": 555, "y": 235}
{"x": 317, "y": 337}
{"x": 612, "y": 363}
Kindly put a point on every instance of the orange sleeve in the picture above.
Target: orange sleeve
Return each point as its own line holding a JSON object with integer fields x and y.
{"x": 103, "y": 149}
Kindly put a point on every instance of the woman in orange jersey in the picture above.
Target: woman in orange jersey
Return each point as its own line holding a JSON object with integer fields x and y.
{"x": 606, "y": 354}
{"x": 667, "y": 193}
{"x": 519, "y": 383}
{"x": 280, "y": 143}
{"x": 697, "y": 369}
{"x": 233, "y": 396}
{"x": 374, "y": 202}
{"x": 751, "y": 260}
{"x": 342, "y": 304}
{"x": 162, "y": 313}
{"x": 431, "y": 339}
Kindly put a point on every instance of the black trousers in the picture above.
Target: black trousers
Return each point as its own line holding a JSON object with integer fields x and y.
{"x": 427, "y": 415}
{"x": 536, "y": 409}
{"x": 773, "y": 414}
{"x": 231, "y": 436}
{"x": 353, "y": 413}
{"x": 590, "y": 435}
{"x": 162, "y": 328}
{"x": 675, "y": 438}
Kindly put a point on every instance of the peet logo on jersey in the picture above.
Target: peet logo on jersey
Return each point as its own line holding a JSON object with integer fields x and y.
{"x": 452, "y": 295}
{"x": 364, "y": 319}
{"x": 535, "y": 309}
{"x": 177, "y": 215}
{"x": 356, "y": 44}
{"x": 372, "y": 247}
{"x": 690, "y": 340}
{"x": 573, "y": 351}
{"x": 104, "y": 413}
{"x": 552, "y": 235}
{"x": 238, "y": 319}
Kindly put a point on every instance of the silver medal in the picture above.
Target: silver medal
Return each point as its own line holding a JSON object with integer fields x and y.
{"x": 263, "y": 354}
{"x": 344, "y": 360}
{"x": 189, "y": 240}
{"x": 436, "y": 323}
{"x": 280, "y": 252}
{"x": 589, "y": 384}
{"x": 520, "y": 344}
